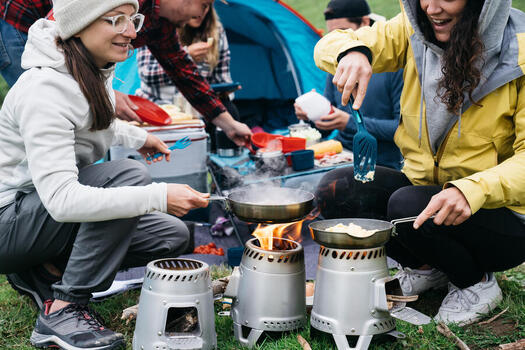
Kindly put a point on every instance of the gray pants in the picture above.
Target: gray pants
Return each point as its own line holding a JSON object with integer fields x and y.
{"x": 89, "y": 253}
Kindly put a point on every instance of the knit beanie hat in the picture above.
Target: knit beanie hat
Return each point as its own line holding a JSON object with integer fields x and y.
{"x": 74, "y": 15}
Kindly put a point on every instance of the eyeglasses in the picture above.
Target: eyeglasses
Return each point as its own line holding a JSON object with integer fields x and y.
{"x": 120, "y": 22}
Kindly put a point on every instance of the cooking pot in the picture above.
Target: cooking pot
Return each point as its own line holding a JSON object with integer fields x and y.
{"x": 343, "y": 240}
{"x": 272, "y": 162}
{"x": 269, "y": 206}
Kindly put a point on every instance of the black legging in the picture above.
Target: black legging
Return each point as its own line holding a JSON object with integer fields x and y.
{"x": 490, "y": 240}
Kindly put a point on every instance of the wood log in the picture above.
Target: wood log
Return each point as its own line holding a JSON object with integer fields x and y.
{"x": 303, "y": 342}
{"x": 443, "y": 329}
{"x": 519, "y": 345}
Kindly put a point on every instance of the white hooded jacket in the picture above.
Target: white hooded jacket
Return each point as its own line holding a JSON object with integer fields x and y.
{"x": 45, "y": 140}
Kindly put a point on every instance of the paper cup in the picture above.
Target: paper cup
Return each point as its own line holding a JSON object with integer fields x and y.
{"x": 314, "y": 105}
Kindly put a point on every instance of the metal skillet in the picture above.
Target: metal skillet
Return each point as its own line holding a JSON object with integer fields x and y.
{"x": 259, "y": 206}
{"x": 342, "y": 240}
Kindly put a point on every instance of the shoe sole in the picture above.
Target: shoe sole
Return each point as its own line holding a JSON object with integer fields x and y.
{"x": 45, "y": 341}
{"x": 22, "y": 288}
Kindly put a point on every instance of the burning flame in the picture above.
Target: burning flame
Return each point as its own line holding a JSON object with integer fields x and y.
{"x": 265, "y": 234}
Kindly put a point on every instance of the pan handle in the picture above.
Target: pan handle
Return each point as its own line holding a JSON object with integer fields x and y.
{"x": 403, "y": 220}
{"x": 215, "y": 197}
{"x": 407, "y": 219}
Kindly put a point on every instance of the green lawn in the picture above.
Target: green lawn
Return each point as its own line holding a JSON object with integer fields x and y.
{"x": 17, "y": 316}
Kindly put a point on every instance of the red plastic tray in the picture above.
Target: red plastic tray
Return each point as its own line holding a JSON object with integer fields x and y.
{"x": 149, "y": 112}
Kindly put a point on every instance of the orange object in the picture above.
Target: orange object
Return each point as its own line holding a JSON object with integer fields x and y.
{"x": 291, "y": 144}
{"x": 209, "y": 248}
{"x": 261, "y": 139}
{"x": 321, "y": 155}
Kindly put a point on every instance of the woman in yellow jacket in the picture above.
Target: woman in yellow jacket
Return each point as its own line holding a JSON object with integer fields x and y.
{"x": 462, "y": 134}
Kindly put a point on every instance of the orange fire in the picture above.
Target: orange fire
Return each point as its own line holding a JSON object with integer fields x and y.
{"x": 266, "y": 233}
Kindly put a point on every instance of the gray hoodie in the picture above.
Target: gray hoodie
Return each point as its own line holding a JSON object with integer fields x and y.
{"x": 45, "y": 139}
{"x": 495, "y": 25}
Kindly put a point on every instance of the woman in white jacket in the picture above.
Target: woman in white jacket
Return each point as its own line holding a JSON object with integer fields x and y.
{"x": 67, "y": 225}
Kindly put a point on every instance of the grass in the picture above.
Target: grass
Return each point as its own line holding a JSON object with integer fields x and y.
{"x": 17, "y": 316}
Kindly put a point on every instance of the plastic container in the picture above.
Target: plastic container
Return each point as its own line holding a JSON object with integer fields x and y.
{"x": 314, "y": 105}
{"x": 302, "y": 160}
{"x": 235, "y": 256}
{"x": 261, "y": 139}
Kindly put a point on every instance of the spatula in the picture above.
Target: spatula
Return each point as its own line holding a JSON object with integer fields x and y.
{"x": 364, "y": 148}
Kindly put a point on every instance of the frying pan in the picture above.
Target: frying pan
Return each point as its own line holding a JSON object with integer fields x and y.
{"x": 343, "y": 240}
{"x": 263, "y": 206}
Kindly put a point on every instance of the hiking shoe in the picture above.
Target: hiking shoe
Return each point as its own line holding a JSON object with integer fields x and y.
{"x": 468, "y": 305}
{"x": 74, "y": 327}
{"x": 32, "y": 284}
{"x": 414, "y": 283}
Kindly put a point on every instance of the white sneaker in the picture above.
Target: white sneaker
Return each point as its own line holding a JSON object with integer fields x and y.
{"x": 414, "y": 283}
{"x": 468, "y": 305}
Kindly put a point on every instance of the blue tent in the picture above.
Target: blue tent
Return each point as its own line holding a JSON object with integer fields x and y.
{"x": 271, "y": 55}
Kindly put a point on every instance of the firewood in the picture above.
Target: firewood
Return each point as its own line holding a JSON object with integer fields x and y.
{"x": 303, "y": 342}
{"x": 219, "y": 286}
{"x": 443, "y": 329}
{"x": 493, "y": 317}
{"x": 519, "y": 345}
{"x": 130, "y": 313}
{"x": 402, "y": 298}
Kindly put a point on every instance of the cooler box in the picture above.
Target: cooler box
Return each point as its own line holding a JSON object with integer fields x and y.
{"x": 187, "y": 166}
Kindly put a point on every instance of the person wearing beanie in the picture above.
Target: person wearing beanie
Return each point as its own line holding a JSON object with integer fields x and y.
{"x": 162, "y": 18}
{"x": 71, "y": 223}
{"x": 380, "y": 109}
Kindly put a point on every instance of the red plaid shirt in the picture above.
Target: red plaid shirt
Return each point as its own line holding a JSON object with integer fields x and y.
{"x": 157, "y": 33}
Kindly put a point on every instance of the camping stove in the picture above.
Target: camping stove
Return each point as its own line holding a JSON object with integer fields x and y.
{"x": 176, "y": 307}
{"x": 268, "y": 289}
{"x": 350, "y": 297}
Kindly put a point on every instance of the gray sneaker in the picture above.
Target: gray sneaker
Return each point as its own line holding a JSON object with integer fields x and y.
{"x": 74, "y": 327}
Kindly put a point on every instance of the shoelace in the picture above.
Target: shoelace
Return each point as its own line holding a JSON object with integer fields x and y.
{"x": 405, "y": 279}
{"x": 84, "y": 314}
{"x": 465, "y": 297}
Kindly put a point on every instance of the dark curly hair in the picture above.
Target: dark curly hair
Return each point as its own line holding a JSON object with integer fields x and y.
{"x": 462, "y": 54}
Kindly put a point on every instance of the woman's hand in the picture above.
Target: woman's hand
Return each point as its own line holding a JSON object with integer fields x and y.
{"x": 183, "y": 198}
{"x": 198, "y": 51}
{"x": 154, "y": 145}
{"x": 301, "y": 115}
{"x": 449, "y": 205}
{"x": 336, "y": 120}
{"x": 353, "y": 73}
{"x": 124, "y": 108}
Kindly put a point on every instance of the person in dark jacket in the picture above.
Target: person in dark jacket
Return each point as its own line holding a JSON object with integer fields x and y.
{"x": 381, "y": 106}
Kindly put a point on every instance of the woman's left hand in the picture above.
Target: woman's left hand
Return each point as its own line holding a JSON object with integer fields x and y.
{"x": 449, "y": 205}
{"x": 154, "y": 145}
{"x": 336, "y": 120}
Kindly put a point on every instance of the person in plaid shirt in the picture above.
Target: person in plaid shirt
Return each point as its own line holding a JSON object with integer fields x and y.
{"x": 205, "y": 41}
{"x": 158, "y": 33}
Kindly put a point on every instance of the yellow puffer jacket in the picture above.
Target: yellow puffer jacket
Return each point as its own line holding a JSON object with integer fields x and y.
{"x": 486, "y": 160}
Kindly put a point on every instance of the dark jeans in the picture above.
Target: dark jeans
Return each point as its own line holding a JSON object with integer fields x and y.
{"x": 490, "y": 240}
{"x": 12, "y": 42}
{"x": 89, "y": 253}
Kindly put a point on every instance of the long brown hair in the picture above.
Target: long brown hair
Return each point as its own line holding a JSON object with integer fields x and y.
{"x": 91, "y": 79}
{"x": 209, "y": 28}
{"x": 462, "y": 54}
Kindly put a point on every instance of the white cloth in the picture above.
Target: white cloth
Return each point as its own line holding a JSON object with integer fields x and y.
{"x": 45, "y": 140}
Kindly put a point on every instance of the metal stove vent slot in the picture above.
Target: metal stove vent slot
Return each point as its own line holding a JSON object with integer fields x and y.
{"x": 321, "y": 322}
{"x": 385, "y": 326}
{"x": 279, "y": 325}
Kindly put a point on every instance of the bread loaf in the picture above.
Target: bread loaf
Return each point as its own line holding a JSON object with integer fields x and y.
{"x": 330, "y": 146}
